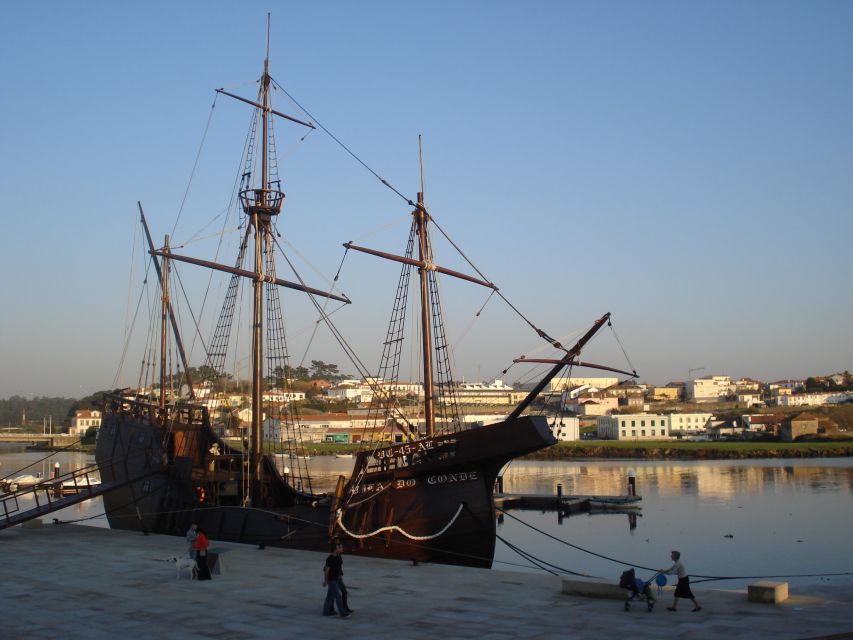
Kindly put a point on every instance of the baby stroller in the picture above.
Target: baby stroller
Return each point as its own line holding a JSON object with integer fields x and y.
{"x": 637, "y": 589}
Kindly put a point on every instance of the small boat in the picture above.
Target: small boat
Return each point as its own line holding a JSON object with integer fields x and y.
{"x": 613, "y": 504}
{"x": 23, "y": 481}
{"x": 346, "y": 456}
{"x": 70, "y": 487}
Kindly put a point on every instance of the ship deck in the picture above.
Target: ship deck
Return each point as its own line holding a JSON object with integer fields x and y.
{"x": 73, "y": 581}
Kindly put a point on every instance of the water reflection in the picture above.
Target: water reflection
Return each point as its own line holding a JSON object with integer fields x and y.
{"x": 755, "y": 517}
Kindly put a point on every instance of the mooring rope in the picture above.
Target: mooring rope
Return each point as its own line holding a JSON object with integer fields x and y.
{"x": 360, "y": 536}
{"x": 704, "y": 578}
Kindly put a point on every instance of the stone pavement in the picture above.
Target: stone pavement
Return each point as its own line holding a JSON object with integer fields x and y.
{"x": 71, "y": 581}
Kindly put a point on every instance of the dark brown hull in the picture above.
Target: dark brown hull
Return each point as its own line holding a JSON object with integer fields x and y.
{"x": 432, "y": 505}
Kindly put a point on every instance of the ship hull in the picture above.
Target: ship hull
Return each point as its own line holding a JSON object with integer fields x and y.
{"x": 429, "y": 501}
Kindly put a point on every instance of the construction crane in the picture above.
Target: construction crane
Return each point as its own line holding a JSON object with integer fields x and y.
{"x": 690, "y": 371}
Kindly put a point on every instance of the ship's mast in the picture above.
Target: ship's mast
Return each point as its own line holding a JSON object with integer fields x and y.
{"x": 260, "y": 220}
{"x": 164, "y": 324}
{"x": 421, "y": 218}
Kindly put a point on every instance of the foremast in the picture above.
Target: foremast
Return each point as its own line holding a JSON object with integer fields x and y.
{"x": 426, "y": 269}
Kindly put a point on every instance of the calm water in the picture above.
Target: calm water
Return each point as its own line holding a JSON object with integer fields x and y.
{"x": 731, "y": 518}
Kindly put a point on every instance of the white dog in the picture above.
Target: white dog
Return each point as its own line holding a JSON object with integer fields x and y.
{"x": 185, "y": 562}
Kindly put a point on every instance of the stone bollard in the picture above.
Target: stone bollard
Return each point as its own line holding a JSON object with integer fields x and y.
{"x": 769, "y": 592}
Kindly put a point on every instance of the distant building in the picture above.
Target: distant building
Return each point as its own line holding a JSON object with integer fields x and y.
{"x": 494, "y": 393}
{"x": 812, "y": 399}
{"x": 747, "y": 384}
{"x": 793, "y": 385}
{"x": 277, "y": 396}
{"x": 567, "y": 429}
{"x": 593, "y": 403}
{"x": 749, "y": 398}
{"x": 83, "y": 420}
{"x": 350, "y": 391}
{"x": 724, "y": 430}
{"x": 665, "y": 394}
{"x": 634, "y": 426}
{"x": 709, "y": 389}
{"x": 690, "y": 423}
{"x": 799, "y": 425}
{"x": 760, "y": 424}
{"x": 559, "y": 384}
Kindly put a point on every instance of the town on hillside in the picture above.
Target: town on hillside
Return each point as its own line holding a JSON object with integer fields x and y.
{"x": 710, "y": 408}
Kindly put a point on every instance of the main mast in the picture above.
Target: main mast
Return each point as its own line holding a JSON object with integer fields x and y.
{"x": 260, "y": 208}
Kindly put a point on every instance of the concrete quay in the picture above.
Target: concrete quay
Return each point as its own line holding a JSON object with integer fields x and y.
{"x": 71, "y": 581}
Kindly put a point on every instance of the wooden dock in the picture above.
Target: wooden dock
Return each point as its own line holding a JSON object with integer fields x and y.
{"x": 567, "y": 504}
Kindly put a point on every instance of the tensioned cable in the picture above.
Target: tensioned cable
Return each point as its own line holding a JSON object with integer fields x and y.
{"x": 526, "y": 556}
{"x": 619, "y": 342}
{"x": 538, "y": 331}
{"x": 342, "y": 145}
{"x": 129, "y": 330}
{"x": 195, "y": 164}
{"x": 705, "y": 578}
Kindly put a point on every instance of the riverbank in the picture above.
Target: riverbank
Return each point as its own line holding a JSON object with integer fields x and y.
{"x": 620, "y": 449}
{"x": 675, "y": 450}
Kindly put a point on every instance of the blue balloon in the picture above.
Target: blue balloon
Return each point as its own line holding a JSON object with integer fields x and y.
{"x": 660, "y": 580}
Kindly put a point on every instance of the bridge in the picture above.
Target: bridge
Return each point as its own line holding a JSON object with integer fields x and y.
{"x": 45, "y": 439}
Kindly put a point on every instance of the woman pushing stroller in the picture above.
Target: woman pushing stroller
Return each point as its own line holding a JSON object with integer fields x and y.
{"x": 682, "y": 589}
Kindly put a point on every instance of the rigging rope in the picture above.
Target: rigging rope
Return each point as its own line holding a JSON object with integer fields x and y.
{"x": 195, "y": 164}
{"x": 619, "y": 342}
{"x": 342, "y": 145}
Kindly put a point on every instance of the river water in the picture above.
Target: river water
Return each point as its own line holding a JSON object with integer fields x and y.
{"x": 728, "y": 518}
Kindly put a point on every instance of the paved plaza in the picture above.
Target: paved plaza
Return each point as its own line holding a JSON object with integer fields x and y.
{"x": 71, "y": 581}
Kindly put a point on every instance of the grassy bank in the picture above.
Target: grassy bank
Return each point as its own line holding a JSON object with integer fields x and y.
{"x": 675, "y": 450}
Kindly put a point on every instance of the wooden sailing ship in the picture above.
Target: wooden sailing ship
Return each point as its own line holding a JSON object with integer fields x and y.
{"x": 428, "y": 497}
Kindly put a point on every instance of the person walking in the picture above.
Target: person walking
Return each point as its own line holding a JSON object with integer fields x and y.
{"x": 332, "y": 574}
{"x": 200, "y": 545}
{"x": 682, "y": 589}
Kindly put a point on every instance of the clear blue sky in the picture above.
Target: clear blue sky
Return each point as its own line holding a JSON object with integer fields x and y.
{"x": 686, "y": 166}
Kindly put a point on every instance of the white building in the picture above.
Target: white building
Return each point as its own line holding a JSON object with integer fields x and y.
{"x": 277, "y": 396}
{"x": 559, "y": 384}
{"x": 792, "y": 385}
{"x": 351, "y": 391}
{"x": 812, "y": 399}
{"x": 495, "y": 393}
{"x": 567, "y": 430}
{"x": 83, "y": 420}
{"x": 690, "y": 423}
{"x": 592, "y": 404}
{"x": 634, "y": 426}
{"x": 709, "y": 389}
{"x": 749, "y": 398}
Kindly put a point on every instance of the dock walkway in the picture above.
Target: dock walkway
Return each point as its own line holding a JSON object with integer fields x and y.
{"x": 72, "y": 581}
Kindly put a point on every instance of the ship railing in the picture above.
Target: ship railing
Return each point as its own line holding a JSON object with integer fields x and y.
{"x": 262, "y": 201}
{"x": 45, "y": 492}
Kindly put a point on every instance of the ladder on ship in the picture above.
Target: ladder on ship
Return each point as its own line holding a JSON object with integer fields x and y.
{"x": 48, "y": 494}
